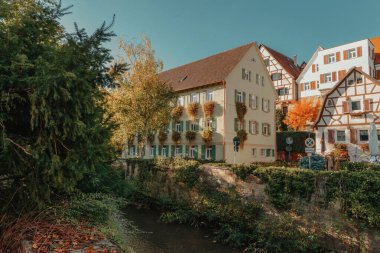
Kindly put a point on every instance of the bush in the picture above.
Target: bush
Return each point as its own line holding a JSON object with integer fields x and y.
{"x": 317, "y": 162}
{"x": 243, "y": 171}
{"x": 360, "y": 166}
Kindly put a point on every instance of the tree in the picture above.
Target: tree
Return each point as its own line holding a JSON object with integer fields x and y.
{"x": 141, "y": 103}
{"x": 302, "y": 111}
{"x": 52, "y": 126}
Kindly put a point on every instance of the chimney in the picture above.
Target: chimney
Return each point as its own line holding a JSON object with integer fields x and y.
{"x": 295, "y": 60}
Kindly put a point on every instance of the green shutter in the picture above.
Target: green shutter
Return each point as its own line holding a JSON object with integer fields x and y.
{"x": 186, "y": 150}
{"x": 236, "y": 96}
{"x": 214, "y": 124}
{"x": 213, "y": 152}
{"x": 250, "y": 101}
{"x": 197, "y": 126}
{"x": 196, "y": 151}
{"x": 203, "y": 149}
{"x": 180, "y": 150}
{"x": 187, "y": 125}
{"x": 172, "y": 149}
{"x": 167, "y": 150}
{"x": 154, "y": 150}
{"x": 236, "y": 125}
{"x": 159, "y": 150}
{"x": 181, "y": 127}
{"x": 173, "y": 125}
{"x": 244, "y": 97}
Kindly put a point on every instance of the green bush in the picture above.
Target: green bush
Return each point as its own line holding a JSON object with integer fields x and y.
{"x": 317, "y": 162}
{"x": 243, "y": 171}
{"x": 359, "y": 166}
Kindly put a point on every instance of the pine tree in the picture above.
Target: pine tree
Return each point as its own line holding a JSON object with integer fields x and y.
{"x": 52, "y": 126}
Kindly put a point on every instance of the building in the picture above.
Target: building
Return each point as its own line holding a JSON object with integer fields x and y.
{"x": 284, "y": 72}
{"x": 376, "y": 42}
{"x": 236, "y": 75}
{"x": 346, "y": 113}
{"x": 328, "y": 66}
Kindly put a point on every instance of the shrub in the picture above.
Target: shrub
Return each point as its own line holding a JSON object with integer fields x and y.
{"x": 243, "y": 171}
{"x": 317, "y": 162}
{"x": 192, "y": 110}
{"x": 190, "y": 135}
{"x": 177, "y": 112}
{"x": 208, "y": 109}
{"x": 360, "y": 166}
{"x": 241, "y": 110}
{"x": 162, "y": 137}
{"x": 176, "y": 136}
{"x": 207, "y": 134}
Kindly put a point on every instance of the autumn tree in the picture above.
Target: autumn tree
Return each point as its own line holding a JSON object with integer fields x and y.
{"x": 302, "y": 111}
{"x": 141, "y": 103}
{"x": 52, "y": 128}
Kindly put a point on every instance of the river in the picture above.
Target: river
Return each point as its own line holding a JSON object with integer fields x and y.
{"x": 159, "y": 237}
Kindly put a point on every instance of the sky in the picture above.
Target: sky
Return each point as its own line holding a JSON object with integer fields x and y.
{"x": 185, "y": 31}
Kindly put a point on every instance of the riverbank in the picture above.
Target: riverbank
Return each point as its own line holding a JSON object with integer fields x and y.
{"x": 266, "y": 209}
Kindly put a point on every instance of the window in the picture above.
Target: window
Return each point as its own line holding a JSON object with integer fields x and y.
{"x": 164, "y": 151}
{"x": 351, "y": 53}
{"x": 210, "y": 95}
{"x": 193, "y": 152}
{"x": 307, "y": 86}
{"x": 285, "y": 110}
{"x": 265, "y": 103}
{"x": 272, "y": 151}
{"x": 178, "y": 127}
{"x": 283, "y": 91}
{"x": 263, "y": 152}
{"x": 267, "y": 152}
{"x": 317, "y": 84}
{"x": 195, "y": 98}
{"x": 253, "y": 152}
{"x": 208, "y": 153}
{"x": 378, "y": 135}
{"x": 266, "y": 129}
{"x": 257, "y": 78}
{"x": 355, "y": 106}
{"x": 317, "y": 67}
{"x": 253, "y": 127}
{"x": 246, "y": 75}
{"x": 180, "y": 100}
{"x": 266, "y": 62}
{"x": 331, "y": 58}
{"x": 276, "y": 76}
{"x": 262, "y": 80}
{"x": 328, "y": 78}
{"x": 340, "y": 136}
{"x": 193, "y": 126}
{"x": 350, "y": 82}
{"x": 239, "y": 96}
{"x": 151, "y": 151}
{"x": 359, "y": 78}
{"x": 363, "y": 135}
{"x": 177, "y": 151}
{"x": 330, "y": 102}
{"x": 254, "y": 101}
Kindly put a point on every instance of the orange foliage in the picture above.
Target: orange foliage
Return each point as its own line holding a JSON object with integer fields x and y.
{"x": 302, "y": 111}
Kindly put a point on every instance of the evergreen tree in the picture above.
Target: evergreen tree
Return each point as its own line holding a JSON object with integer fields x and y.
{"x": 52, "y": 126}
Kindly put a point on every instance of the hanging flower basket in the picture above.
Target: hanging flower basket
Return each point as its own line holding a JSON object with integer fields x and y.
{"x": 190, "y": 135}
{"x": 177, "y": 112}
{"x": 150, "y": 138}
{"x": 162, "y": 137}
{"x": 242, "y": 134}
{"x": 207, "y": 134}
{"x": 208, "y": 109}
{"x": 241, "y": 110}
{"x": 192, "y": 110}
{"x": 176, "y": 136}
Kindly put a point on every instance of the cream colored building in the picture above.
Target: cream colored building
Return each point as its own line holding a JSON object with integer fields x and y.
{"x": 236, "y": 75}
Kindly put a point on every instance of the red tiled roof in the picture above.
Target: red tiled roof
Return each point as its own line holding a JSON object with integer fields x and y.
{"x": 209, "y": 70}
{"x": 376, "y": 42}
{"x": 285, "y": 62}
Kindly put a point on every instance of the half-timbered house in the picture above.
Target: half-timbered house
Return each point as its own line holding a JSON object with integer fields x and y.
{"x": 283, "y": 71}
{"x": 346, "y": 113}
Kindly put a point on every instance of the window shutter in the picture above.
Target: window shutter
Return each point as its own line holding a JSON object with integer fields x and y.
{"x": 359, "y": 51}
{"x": 250, "y": 100}
{"x": 322, "y": 78}
{"x": 313, "y": 68}
{"x": 236, "y": 92}
{"x": 187, "y": 125}
{"x": 341, "y": 74}
{"x": 159, "y": 150}
{"x": 203, "y": 149}
{"x": 367, "y": 105}
{"x": 302, "y": 87}
{"x": 337, "y": 56}
{"x": 236, "y": 126}
{"x": 269, "y": 132}
{"x": 331, "y": 136}
{"x": 244, "y": 97}
{"x": 334, "y": 76}
{"x": 243, "y": 73}
{"x": 213, "y": 152}
{"x": 154, "y": 150}
{"x": 186, "y": 150}
{"x": 181, "y": 126}
{"x": 250, "y": 126}
{"x": 197, "y": 125}
{"x": 257, "y": 127}
{"x": 196, "y": 151}
{"x": 172, "y": 150}
{"x": 214, "y": 124}
{"x": 325, "y": 59}
{"x": 353, "y": 137}
{"x": 345, "y": 54}
{"x": 345, "y": 106}
{"x": 181, "y": 150}
{"x": 313, "y": 85}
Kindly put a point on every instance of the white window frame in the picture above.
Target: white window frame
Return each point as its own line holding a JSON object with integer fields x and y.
{"x": 180, "y": 100}
{"x": 209, "y": 123}
{"x": 336, "y": 136}
{"x": 195, "y": 97}
{"x": 178, "y": 126}
{"x": 209, "y": 95}
{"x": 193, "y": 126}
{"x": 177, "y": 151}
{"x": 307, "y": 86}
{"x": 254, "y": 127}
{"x": 351, "y": 53}
{"x": 360, "y": 140}
{"x": 328, "y": 78}
{"x": 285, "y": 89}
{"x": 268, "y": 152}
{"x": 254, "y": 101}
{"x": 151, "y": 151}
{"x": 278, "y": 76}
{"x": 331, "y": 58}
{"x": 356, "y": 101}
{"x": 266, "y": 105}
{"x": 192, "y": 152}
{"x": 239, "y": 96}
{"x": 163, "y": 151}
{"x": 265, "y": 129}
{"x": 262, "y": 152}
{"x": 208, "y": 153}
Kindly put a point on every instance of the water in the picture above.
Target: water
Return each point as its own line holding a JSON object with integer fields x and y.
{"x": 159, "y": 237}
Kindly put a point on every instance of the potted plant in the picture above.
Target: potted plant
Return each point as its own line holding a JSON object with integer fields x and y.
{"x": 177, "y": 112}
{"x": 162, "y": 137}
{"x": 192, "y": 110}
{"x": 207, "y": 134}
{"x": 208, "y": 109}
{"x": 241, "y": 110}
{"x": 242, "y": 134}
{"x": 176, "y": 136}
{"x": 190, "y": 135}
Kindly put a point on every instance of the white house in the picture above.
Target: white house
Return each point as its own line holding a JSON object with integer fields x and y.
{"x": 346, "y": 113}
{"x": 328, "y": 66}
{"x": 376, "y": 42}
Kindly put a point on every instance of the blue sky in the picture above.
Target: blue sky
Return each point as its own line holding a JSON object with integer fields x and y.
{"x": 184, "y": 31}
